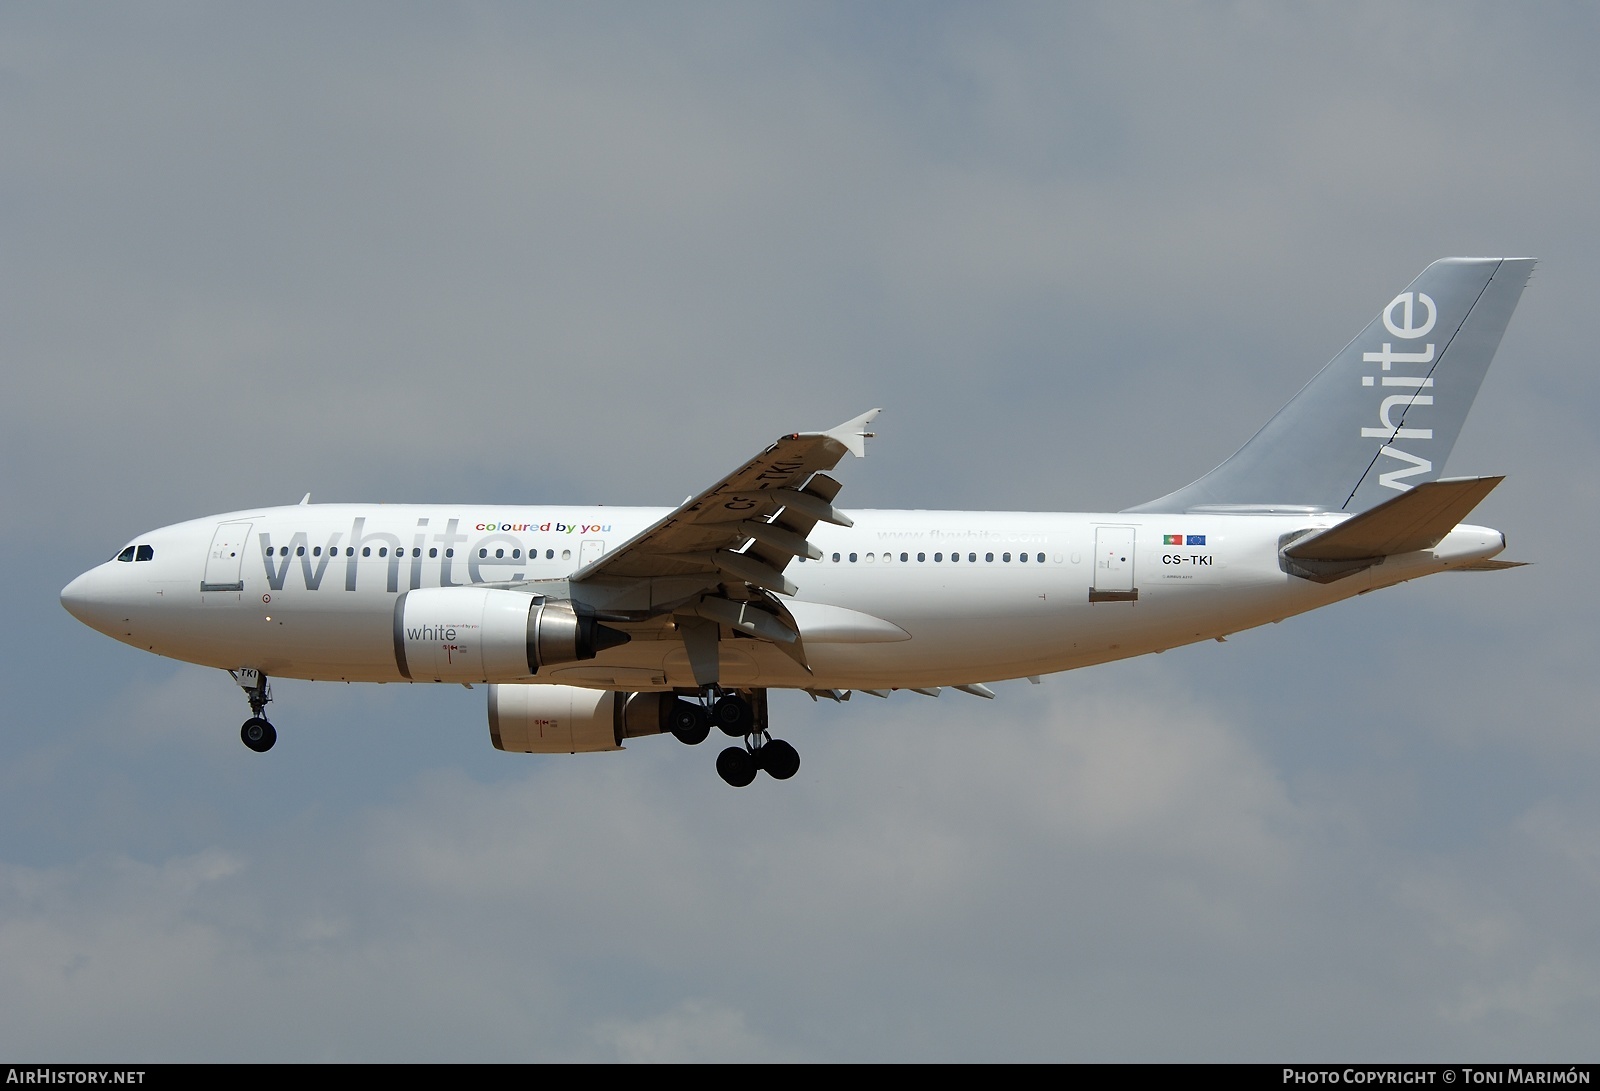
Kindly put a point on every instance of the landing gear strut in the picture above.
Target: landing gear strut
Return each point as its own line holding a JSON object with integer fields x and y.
{"x": 257, "y": 733}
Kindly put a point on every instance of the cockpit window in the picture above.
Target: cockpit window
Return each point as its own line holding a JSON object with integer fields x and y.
{"x": 126, "y": 554}
{"x": 145, "y": 554}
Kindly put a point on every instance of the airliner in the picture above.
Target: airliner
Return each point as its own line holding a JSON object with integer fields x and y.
{"x": 594, "y": 625}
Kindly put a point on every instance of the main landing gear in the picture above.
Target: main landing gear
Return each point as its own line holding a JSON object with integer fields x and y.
{"x": 738, "y": 765}
{"x": 737, "y": 716}
{"x": 257, "y": 733}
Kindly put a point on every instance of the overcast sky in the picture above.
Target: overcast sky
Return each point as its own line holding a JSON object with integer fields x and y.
{"x": 603, "y": 253}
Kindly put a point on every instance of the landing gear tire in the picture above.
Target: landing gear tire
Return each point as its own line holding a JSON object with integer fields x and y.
{"x": 737, "y": 766}
{"x": 733, "y": 714}
{"x": 688, "y": 722}
{"x": 779, "y": 759}
{"x": 258, "y": 735}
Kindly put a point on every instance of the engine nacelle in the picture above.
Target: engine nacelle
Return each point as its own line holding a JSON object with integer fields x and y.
{"x": 484, "y": 634}
{"x": 529, "y": 719}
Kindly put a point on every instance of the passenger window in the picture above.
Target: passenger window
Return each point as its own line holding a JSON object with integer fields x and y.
{"x": 433, "y": 552}
{"x": 566, "y": 554}
{"x": 483, "y": 552}
{"x": 415, "y": 551}
{"x": 907, "y": 557}
{"x": 938, "y": 556}
{"x": 1006, "y": 557}
{"x": 299, "y": 551}
{"x": 450, "y": 553}
{"x": 316, "y": 551}
{"x": 852, "y": 558}
{"x": 1022, "y": 557}
{"x": 383, "y": 551}
{"x": 835, "y": 558}
{"x": 516, "y": 554}
{"x": 499, "y": 553}
{"x": 922, "y": 556}
{"x": 549, "y": 554}
{"x": 349, "y": 551}
{"x": 366, "y": 551}
{"x": 1040, "y": 558}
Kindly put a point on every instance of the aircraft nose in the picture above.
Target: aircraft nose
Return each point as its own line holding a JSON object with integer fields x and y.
{"x": 76, "y": 599}
{"x": 86, "y": 599}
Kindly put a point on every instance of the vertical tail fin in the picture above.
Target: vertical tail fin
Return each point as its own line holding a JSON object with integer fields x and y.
{"x": 1382, "y": 416}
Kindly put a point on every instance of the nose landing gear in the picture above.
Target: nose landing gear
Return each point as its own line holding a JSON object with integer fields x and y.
{"x": 257, "y": 733}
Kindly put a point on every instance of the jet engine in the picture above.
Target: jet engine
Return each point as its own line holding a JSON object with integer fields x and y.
{"x": 484, "y": 634}
{"x": 530, "y": 719}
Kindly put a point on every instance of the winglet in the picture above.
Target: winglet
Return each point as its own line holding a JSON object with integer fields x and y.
{"x": 853, "y": 433}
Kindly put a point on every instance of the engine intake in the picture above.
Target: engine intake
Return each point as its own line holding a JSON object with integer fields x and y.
{"x": 530, "y": 719}
{"x": 488, "y": 634}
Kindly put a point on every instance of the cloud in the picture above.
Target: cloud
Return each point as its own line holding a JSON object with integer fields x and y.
{"x": 691, "y": 1032}
{"x": 927, "y": 887}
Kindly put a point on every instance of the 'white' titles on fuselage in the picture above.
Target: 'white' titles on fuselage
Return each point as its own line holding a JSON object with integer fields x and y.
{"x": 438, "y": 553}
{"x": 1400, "y": 319}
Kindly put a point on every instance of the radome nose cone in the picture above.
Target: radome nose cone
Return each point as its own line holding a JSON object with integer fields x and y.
{"x": 86, "y": 598}
{"x": 75, "y": 598}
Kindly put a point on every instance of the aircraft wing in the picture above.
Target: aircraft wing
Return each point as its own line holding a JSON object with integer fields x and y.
{"x": 745, "y": 529}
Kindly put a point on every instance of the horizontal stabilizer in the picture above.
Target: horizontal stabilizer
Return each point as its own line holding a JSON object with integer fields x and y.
{"x": 1417, "y": 519}
{"x": 1492, "y": 564}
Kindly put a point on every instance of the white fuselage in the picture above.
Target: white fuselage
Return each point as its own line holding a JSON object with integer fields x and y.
{"x": 309, "y": 591}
